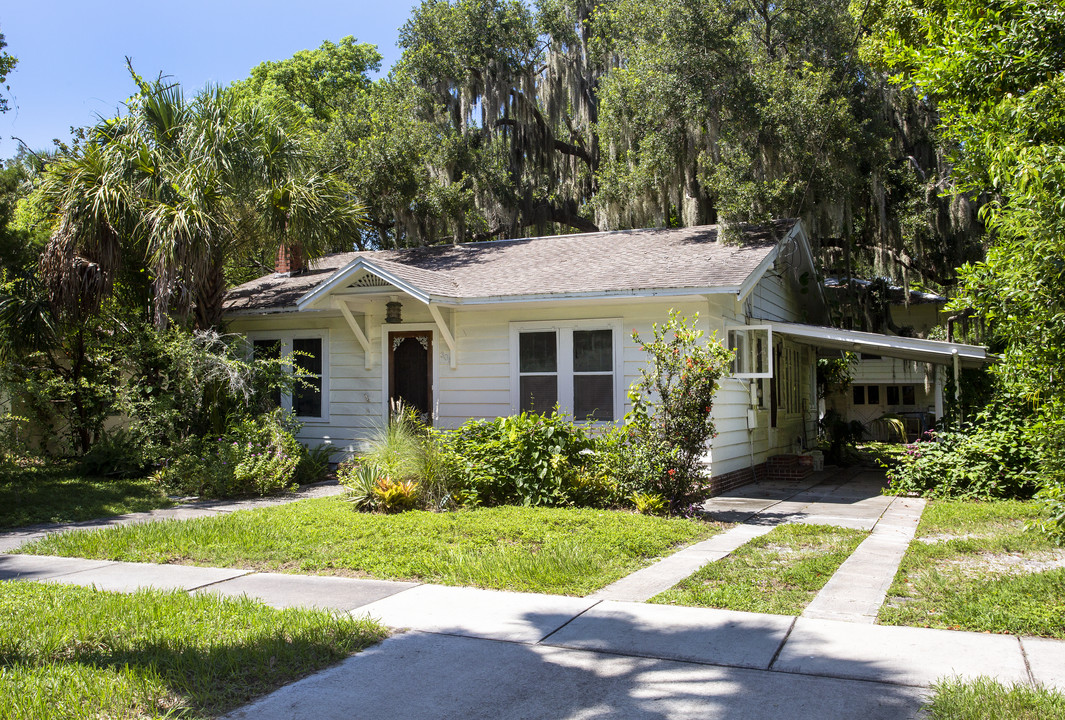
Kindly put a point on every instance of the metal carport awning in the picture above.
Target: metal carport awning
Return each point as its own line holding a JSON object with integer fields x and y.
{"x": 933, "y": 351}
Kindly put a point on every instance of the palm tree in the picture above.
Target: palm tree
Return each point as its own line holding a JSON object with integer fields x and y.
{"x": 182, "y": 188}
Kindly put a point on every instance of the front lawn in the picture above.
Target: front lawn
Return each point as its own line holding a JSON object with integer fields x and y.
{"x": 779, "y": 572}
{"x": 57, "y": 493}
{"x": 553, "y": 550}
{"x": 77, "y": 653}
{"x": 973, "y": 566}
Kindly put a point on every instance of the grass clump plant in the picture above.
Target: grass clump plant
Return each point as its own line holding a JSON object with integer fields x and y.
{"x": 986, "y": 699}
{"x": 78, "y": 653}
{"x": 779, "y": 572}
{"x": 980, "y": 567}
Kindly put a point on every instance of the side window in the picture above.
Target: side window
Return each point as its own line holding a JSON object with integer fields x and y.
{"x": 307, "y": 395}
{"x": 268, "y": 350}
{"x": 538, "y": 371}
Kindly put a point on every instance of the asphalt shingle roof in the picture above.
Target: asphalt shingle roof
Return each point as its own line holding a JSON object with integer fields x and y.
{"x": 650, "y": 259}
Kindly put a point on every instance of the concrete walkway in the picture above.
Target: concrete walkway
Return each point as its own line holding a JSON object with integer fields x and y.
{"x": 481, "y": 653}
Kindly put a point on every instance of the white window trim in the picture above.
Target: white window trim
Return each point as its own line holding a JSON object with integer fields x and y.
{"x": 285, "y": 337}
{"x": 564, "y": 333}
{"x": 768, "y": 373}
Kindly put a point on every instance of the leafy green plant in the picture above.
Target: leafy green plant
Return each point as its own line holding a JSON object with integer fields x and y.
{"x": 649, "y": 503}
{"x": 671, "y": 408}
{"x": 115, "y": 454}
{"x": 258, "y": 456}
{"x": 313, "y": 464}
{"x": 12, "y": 436}
{"x": 992, "y": 459}
{"x": 360, "y": 477}
{"x": 396, "y": 495}
{"x": 526, "y": 459}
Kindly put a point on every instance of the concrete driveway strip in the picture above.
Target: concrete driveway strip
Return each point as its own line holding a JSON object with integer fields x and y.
{"x": 44, "y": 567}
{"x": 419, "y": 676}
{"x": 858, "y": 588}
{"x": 130, "y": 577}
{"x": 472, "y": 612}
{"x": 329, "y": 593}
{"x": 904, "y": 655}
{"x": 718, "y": 637}
{"x": 1046, "y": 658}
{"x": 646, "y": 583}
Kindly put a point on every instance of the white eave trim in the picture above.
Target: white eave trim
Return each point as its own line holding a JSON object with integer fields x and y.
{"x": 344, "y": 275}
{"x": 934, "y": 351}
{"x": 753, "y": 279}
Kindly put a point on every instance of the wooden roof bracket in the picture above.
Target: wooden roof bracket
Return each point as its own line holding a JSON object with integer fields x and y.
{"x": 357, "y": 331}
{"x": 446, "y": 333}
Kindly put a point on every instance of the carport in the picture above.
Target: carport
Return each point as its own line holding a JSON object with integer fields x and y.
{"x": 950, "y": 354}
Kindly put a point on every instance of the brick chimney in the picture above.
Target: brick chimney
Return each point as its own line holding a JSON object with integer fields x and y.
{"x": 289, "y": 259}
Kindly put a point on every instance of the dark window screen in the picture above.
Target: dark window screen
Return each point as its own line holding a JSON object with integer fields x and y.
{"x": 593, "y": 351}
{"x": 307, "y": 396}
{"x": 268, "y": 350}
{"x": 593, "y": 397}
{"x": 909, "y": 395}
{"x": 538, "y": 352}
{"x": 539, "y": 393}
{"x": 874, "y": 394}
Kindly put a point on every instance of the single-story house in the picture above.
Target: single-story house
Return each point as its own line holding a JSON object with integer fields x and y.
{"x": 488, "y": 329}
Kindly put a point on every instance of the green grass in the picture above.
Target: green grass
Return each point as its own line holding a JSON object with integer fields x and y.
{"x": 985, "y": 699}
{"x": 553, "y": 550}
{"x": 972, "y": 577}
{"x": 779, "y": 572}
{"x": 73, "y": 653}
{"x": 56, "y": 493}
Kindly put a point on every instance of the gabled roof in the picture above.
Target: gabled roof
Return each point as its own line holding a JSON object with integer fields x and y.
{"x": 649, "y": 261}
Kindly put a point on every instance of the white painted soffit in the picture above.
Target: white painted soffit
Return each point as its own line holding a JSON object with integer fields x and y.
{"x": 934, "y": 351}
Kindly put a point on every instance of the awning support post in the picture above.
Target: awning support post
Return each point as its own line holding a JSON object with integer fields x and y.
{"x": 957, "y": 385}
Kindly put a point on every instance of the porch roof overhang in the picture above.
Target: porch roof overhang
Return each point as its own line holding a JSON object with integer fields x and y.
{"x": 933, "y": 351}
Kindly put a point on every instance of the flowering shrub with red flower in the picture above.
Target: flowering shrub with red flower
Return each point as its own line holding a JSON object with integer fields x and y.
{"x": 672, "y": 402}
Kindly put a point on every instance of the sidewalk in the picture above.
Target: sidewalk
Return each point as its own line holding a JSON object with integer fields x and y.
{"x": 481, "y": 653}
{"x": 471, "y": 653}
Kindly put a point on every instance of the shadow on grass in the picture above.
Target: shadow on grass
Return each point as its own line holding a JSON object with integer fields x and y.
{"x": 58, "y": 494}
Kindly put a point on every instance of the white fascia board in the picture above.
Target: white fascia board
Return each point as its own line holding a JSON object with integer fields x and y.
{"x": 756, "y": 275}
{"x": 591, "y": 295}
{"x": 344, "y": 274}
{"x": 889, "y": 345}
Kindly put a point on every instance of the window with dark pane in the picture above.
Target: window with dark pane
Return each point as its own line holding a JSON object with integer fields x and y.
{"x": 874, "y": 394}
{"x": 593, "y": 351}
{"x": 909, "y": 395}
{"x": 538, "y": 352}
{"x": 892, "y": 394}
{"x": 859, "y": 394}
{"x": 538, "y": 370}
{"x": 539, "y": 393}
{"x": 593, "y": 397}
{"x": 269, "y": 350}
{"x": 307, "y": 396}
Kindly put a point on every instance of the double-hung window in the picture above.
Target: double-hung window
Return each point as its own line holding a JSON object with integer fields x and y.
{"x": 574, "y": 365}
{"x": 309, "y": 400}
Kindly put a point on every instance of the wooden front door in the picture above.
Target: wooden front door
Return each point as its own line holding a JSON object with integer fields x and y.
{"x": 410, "y": 370}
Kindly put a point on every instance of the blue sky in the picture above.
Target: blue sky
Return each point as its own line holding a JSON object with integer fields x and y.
{"x": 72, "y": 65}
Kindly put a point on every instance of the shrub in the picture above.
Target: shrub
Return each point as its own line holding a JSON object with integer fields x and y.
{"x": 361, "y": 479}
{"x": 993, "y": 459}
{"x": 258, "y": 456}
{"x": 526, "y": 459}
{"x": 671, "y": 410}
{"x": 12, "y": 437}
{"x": 116, "y": 454}
{"x": 313, "y": 464}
